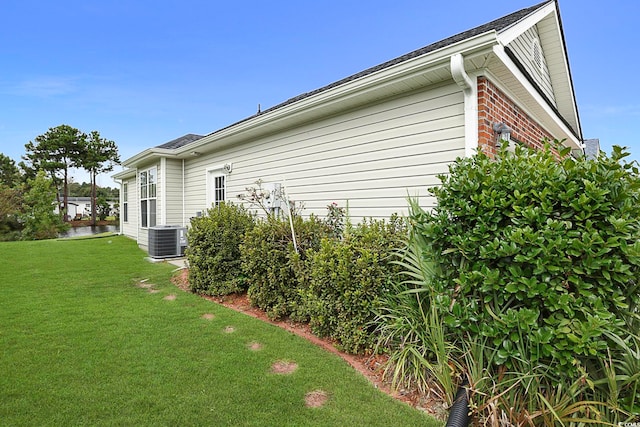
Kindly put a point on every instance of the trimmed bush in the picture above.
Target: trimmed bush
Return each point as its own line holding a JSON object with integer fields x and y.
{"x": 214, "y": 250}
{"x": 270, "y": 261}
{"x": 347, "y": 278}
{"x": 540, "y": 249}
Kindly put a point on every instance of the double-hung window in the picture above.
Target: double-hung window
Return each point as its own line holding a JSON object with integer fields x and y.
{"x": 125, "y": 202}
{"x": 148, "y": 181}
{"x": 216, "y": 186}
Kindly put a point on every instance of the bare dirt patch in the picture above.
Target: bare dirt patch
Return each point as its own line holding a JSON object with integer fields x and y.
{"x": 170, "y": 297}
{"x": 254, "y": 346}
{"x": 315, "y": 399}
{"x": 284, "y": 367}
{"x": 144, "y": 285}
{"x": 208, "y": 316}
{"x": 181, "y": 279}
{"x": 229, "y": 330}
{"x": 154, "y": 291}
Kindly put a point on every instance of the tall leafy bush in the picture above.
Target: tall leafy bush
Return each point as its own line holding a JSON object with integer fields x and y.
{"x": 214, "y": 250}
{"x": 538, "y": 248}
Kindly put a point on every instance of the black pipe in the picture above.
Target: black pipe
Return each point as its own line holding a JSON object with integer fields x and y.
{"x": 459, "y": 413}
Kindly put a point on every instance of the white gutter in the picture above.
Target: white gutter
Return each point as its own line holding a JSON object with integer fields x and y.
{"x": 469, "y": 88}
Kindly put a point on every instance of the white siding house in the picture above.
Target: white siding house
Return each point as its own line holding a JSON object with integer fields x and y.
{"x": 373, "y": 138}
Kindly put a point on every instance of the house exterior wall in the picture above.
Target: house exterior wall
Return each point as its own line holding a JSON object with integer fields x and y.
{"x": 522, "y": 47}
{"x": 494, "y": 106}
{"x": 172, "y": 192}
{"x": 370, "y": 158}
{"x": 130, "y": 227}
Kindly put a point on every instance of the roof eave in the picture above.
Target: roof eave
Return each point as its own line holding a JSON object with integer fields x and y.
{"x": 305, "y": 108}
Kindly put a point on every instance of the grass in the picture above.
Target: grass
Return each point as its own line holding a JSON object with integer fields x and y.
{"x": 81, "y": 344}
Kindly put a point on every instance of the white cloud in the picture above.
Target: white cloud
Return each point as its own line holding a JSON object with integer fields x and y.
{"x": 43, "y": 86}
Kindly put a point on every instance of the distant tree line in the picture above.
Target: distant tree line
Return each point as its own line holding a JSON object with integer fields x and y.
{"x": 30, "y": 189}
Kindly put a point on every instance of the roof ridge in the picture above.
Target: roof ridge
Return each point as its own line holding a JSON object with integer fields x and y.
{"x": 497, "y": 25}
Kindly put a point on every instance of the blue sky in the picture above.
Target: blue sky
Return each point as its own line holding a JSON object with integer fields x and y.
{"x": 145, "y": 72}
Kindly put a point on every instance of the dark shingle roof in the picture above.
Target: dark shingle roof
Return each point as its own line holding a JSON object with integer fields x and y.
{"x": 180, "y": 142}
{"x": 497, "y": 25}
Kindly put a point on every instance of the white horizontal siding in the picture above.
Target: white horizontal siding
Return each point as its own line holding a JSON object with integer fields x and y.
{"x": 173, "y": 196}
{"x": 130, "y": 227}
{"x": 522, "y": 47}
{"x": 370, "y": 158}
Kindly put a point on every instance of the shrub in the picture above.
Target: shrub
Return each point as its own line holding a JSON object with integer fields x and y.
{"x": 347, "y": 279}
{"x": 214, "y": 250}
{"x": 538, "y": 248}
{"x": 269, "y": 261}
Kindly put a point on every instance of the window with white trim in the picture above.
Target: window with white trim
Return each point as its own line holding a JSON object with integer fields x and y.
{"x": 125, "y": 202}
{"x": 148, "y": 181}
{"x": 216, "y": 186}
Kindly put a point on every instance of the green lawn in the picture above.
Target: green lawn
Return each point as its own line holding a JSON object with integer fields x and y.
{"x": 81, "y": 344}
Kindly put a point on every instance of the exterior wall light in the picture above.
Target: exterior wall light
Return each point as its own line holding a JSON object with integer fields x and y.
{"x": 503, "y": 133}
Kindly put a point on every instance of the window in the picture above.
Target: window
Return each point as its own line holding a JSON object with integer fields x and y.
{"x": 148, "y": 181}
{"x": 216, "y": 186}
{"x": 219, "y": 189}
{"x": 125, "y": 202}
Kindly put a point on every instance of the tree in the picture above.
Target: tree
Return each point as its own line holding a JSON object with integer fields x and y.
{"x": 9, "y": 173}
{"x": 55, "y": 152}
{"x": 40, "y": 222}
{"x": 101, "y": 156}
{"x": 10, "y": 206}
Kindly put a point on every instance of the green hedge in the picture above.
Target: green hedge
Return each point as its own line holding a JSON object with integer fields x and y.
{"x": 269, "y": 261}
{"x": 214, "y": 250}
{"x": 347, "y": 278}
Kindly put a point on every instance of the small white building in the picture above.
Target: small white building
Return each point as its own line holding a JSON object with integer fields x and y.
{"x": 374, "y": 137}
{"x": 78, "y": 207}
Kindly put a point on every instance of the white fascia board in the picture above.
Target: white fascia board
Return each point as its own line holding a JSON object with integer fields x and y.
{"x": 515, "y": 30}
{"x": 148, "y": 154}
{"x": 127, "y": 173}
{"x": 422, "y": 64}
{"x": 499, "y": 52}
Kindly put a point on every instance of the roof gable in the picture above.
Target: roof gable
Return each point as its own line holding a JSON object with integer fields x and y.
{"x": 502, "y": 31}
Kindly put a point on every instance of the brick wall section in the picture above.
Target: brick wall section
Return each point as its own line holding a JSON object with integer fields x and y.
{"x": 495, "y": 107}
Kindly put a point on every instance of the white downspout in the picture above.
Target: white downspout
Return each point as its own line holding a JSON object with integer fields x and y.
{"x": 138, "y": 219}
{"x": 469, "y": 88}
{"x": 163, "y": 190}
{"x": 184, "y": 216}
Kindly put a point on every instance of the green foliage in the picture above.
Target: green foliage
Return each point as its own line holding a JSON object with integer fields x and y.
{"x": 272, "y": 264}
{"x": 55, "y": 152}
{"x": 538, "y": 248}
{"x": 40, "y": 222}
{"x": 10, "y": 208}
{"x": 214, "y": 250}
{"x": 348, "y": 278}
{"x": 9, "y": 172}
{"x": 102, "y": 208}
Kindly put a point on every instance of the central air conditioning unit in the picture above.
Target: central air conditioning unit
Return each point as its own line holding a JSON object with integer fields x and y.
{"x": 167, "y": 241}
